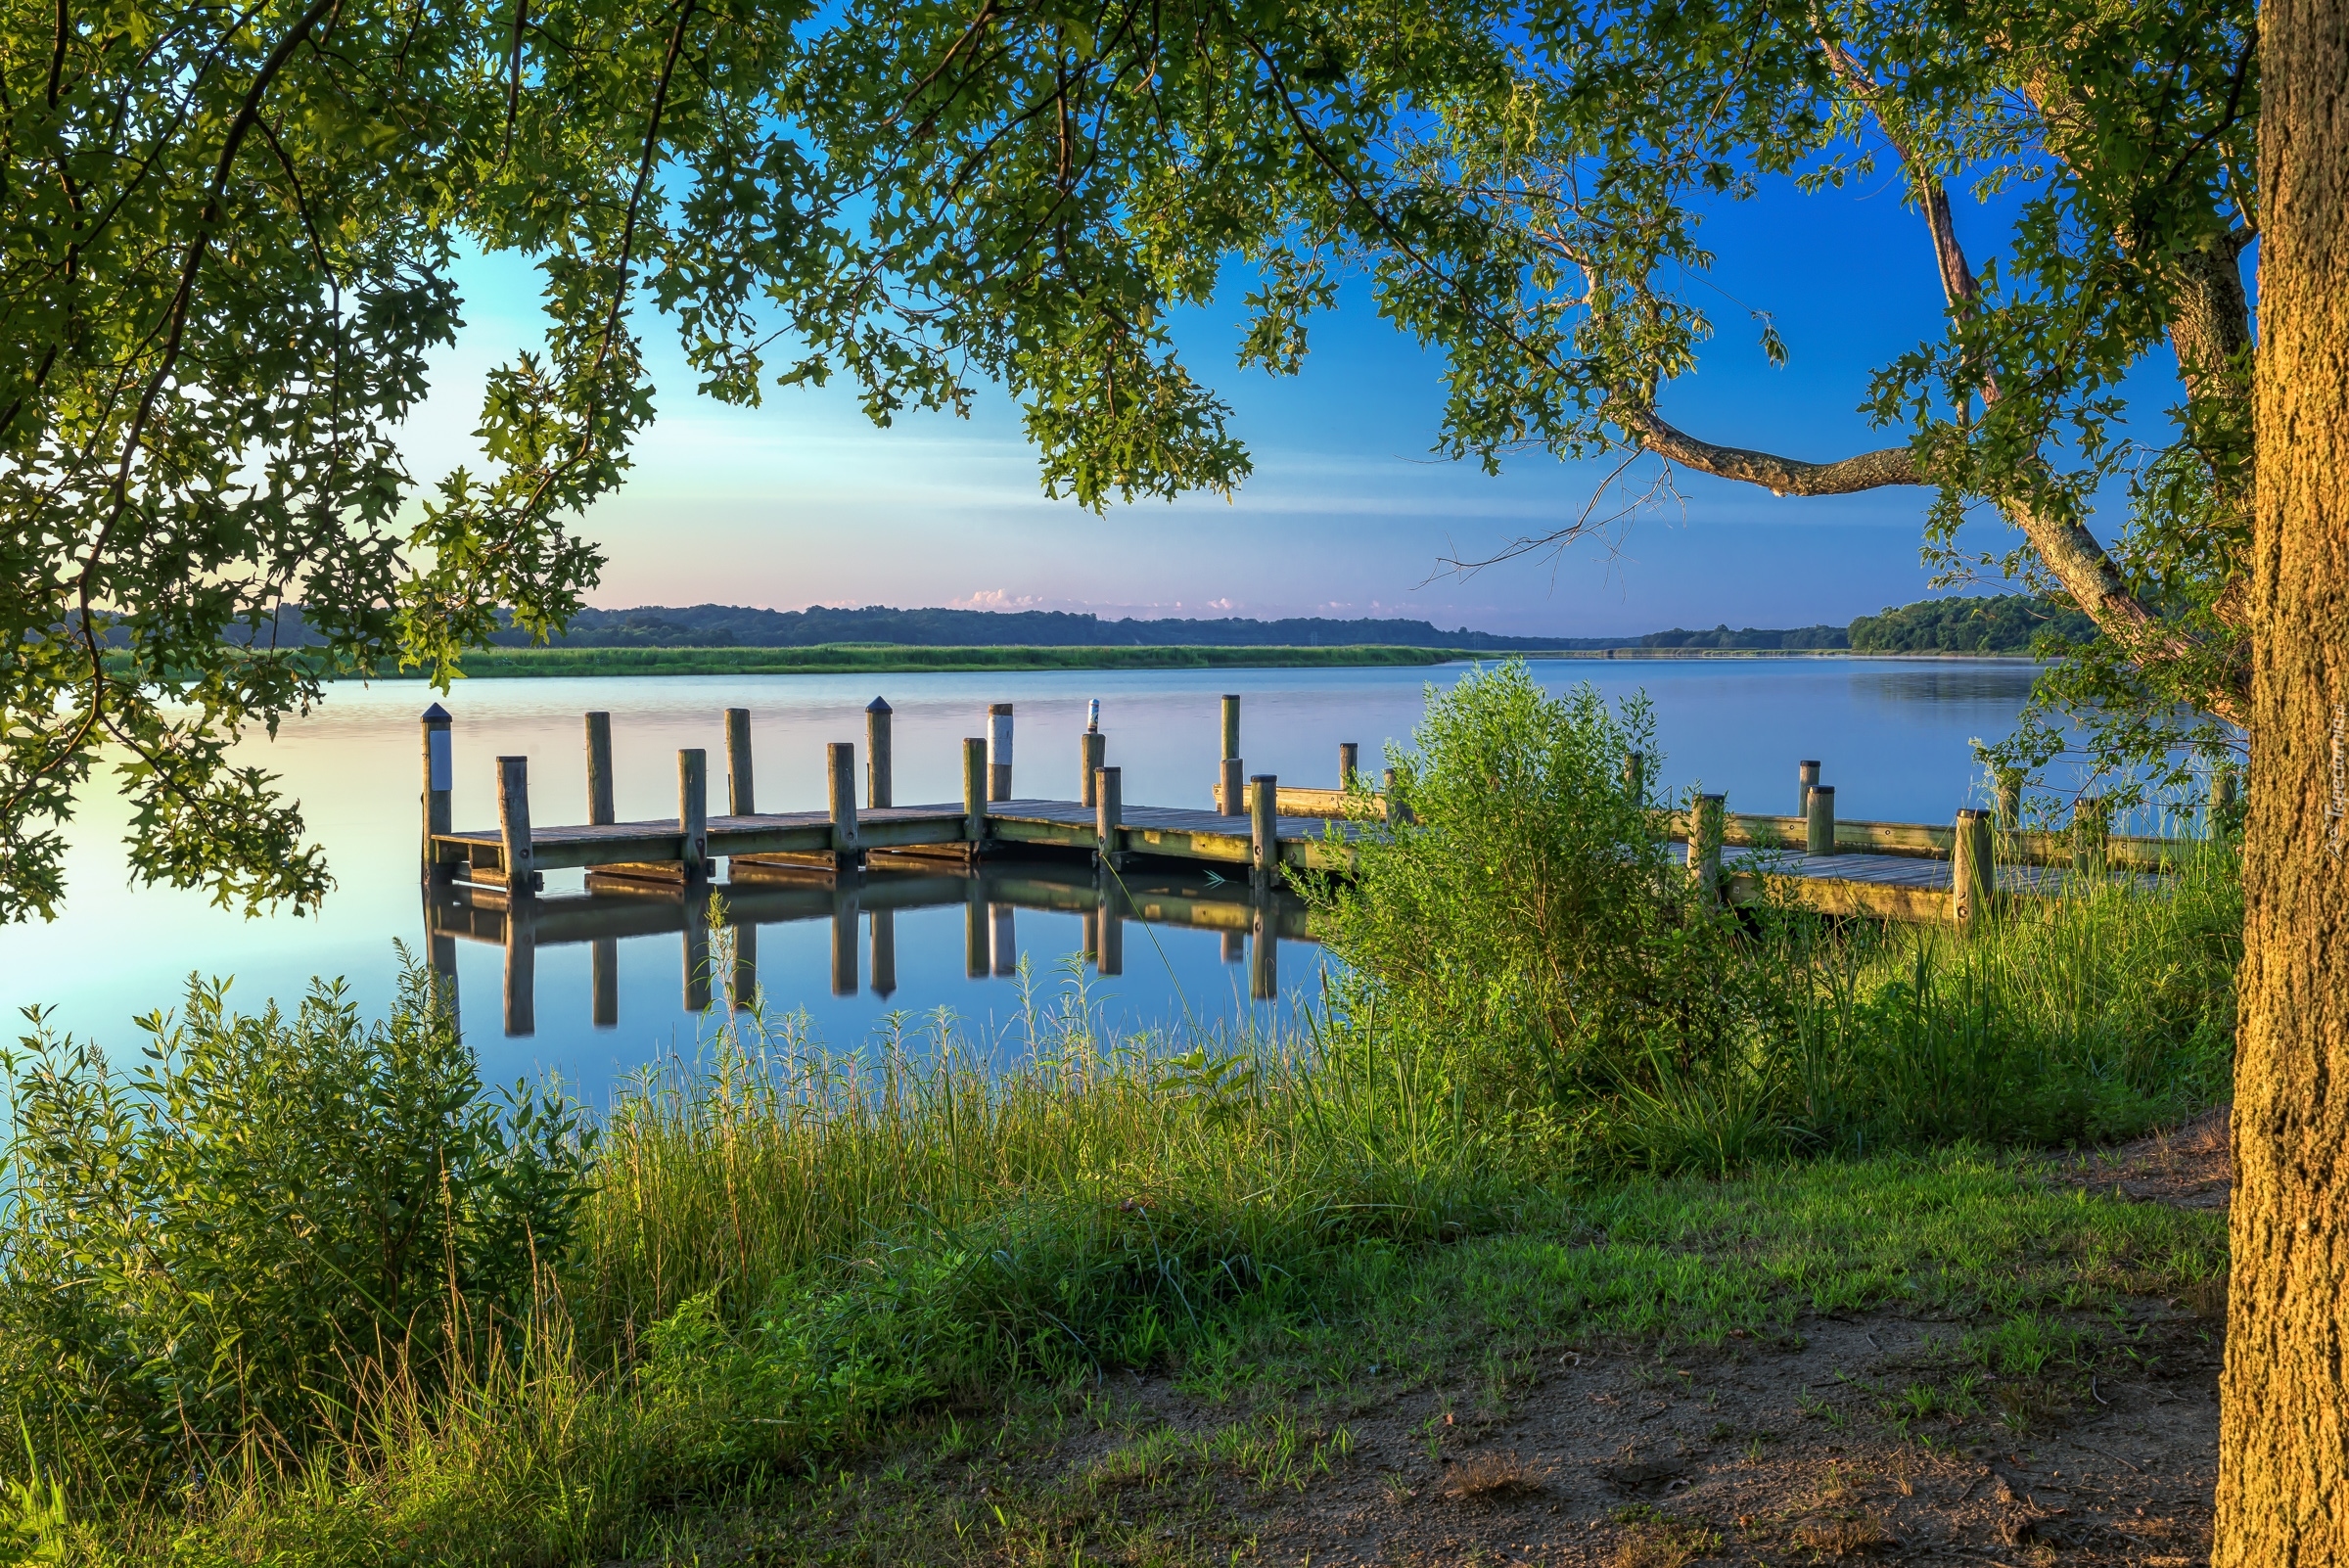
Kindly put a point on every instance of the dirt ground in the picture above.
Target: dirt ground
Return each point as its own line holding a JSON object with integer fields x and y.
{"x": 1858, "y": 1437}
{"x": 1851, "y": 1441}
{"x": 1880, "y": 1436}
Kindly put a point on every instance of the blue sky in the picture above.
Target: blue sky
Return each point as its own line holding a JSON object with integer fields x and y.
{"x": 1348, "y": 513}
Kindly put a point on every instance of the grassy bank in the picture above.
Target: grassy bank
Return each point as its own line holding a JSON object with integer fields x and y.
{"x": 839, "y": 658}
{"x": 301, "y": 1290}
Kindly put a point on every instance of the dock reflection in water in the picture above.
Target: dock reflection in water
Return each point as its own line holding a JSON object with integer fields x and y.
{"x": 861, "y": 908}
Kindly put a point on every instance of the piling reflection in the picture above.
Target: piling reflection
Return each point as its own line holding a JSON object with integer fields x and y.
{"x": 861, "y": 907}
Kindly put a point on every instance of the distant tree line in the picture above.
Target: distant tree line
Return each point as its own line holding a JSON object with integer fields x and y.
{"x": 2007, "y": 623}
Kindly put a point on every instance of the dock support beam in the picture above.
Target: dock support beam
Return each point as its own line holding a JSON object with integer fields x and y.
{"x": 974, "y": 795}
{"x": 598, "y": 727}
{"x": 846, "y": 907}
{"x": 840, "y": 759}
{"x": 743, "y": 992}
{"x": 1972, "y": 873}
{"x": 603, "y": 982}
{"x": 1092, "y": 747}
{"x": 1350, "y": 753}
{"x": 1264, "y": 956}
{"x": 998, "y": 752}
{"x": 1263, "y": 830}
{"x": 1705, "y": 828}
{"x": 885, "y": 952}
{"x": 1806, "y": 777}
{"x": 693, "y": 813}
{"x": 2091, "y": 826}
{"x": 440, "y": 776}
{"x": 879, "y": 792}
{"x": 1109, "y": 817}
{"x": 741, "y": 795}
{"x": 522, "y": 967}
{"x": 1818, "y": 821}
{"x": 514, "y": 826}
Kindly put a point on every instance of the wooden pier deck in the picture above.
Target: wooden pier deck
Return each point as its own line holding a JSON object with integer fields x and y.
{"x": 486, "y": 884}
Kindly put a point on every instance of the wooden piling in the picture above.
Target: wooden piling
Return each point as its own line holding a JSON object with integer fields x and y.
{"x": 974, "y": 930}
{"x": 1634, "y": 776}
{"x": 742, "y": 993}
{"x": 879, "y": 758}
{"x": 1110, "y": 911}
{"x": 521, "y": 966}
{"x": 1393, "y": 802}
{"x": 1706, "y": 825}
{"x": 2226, "y": 786}
{"x": 1349, "y": 754}
{"x": 741, "y": 795}
{"x": 1819, "y": 821}
{"x": 1806, "y": 774}
{"x": 1231, "y": 793}
{"x": 1231, "y": 723}
{"x": 1109, "y": 817}
{"x": 998, "y": 752}
{"x": 1263, "y": 955}
{"x": 1092, "y": 747}
{"x": 2092, "y": 831}
{"x": 1003, "y": 937}
{"x": 603, "y": 982}
{"x": 844, "y": 911}
{"x": 514, "y": 826}
{"x": 974, "y": 794}
{"x": 1972, "y": 872}
{"x": 693, "y": 813}
{"x": 599, "y": 768}
{"x": 694, "y": 957}
{"x": 439, "y": 777}
{"x": 885, "y": 952}
{"x": 2010, "y": 798}
{"x": 1263, "y": 829}
{"x": 840, "y": 768}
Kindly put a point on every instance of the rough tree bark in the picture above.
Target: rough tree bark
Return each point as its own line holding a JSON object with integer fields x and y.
{"x": 2284, "y": 1432}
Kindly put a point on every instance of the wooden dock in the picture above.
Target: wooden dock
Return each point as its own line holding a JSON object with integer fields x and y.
{"x": 1220, "y": 867}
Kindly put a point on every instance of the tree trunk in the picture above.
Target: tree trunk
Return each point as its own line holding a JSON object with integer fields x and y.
{"x": 2283, "y": 1439}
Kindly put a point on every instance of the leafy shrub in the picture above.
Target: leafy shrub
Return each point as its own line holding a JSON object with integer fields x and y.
{"x": 232, "y": 1238}
{"x": 1522, "y": 922}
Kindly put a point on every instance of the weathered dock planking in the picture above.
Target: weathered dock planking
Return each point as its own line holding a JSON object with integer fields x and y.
{"x": 650, "y": 875}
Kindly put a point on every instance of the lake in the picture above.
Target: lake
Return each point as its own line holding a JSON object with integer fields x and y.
{"x": 1895, "y": 736}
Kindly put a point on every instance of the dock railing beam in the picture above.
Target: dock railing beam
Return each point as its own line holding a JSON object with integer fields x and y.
{"x": 598, "y": 727}
{"x": 1818, "y": 821}
{"x": 879, "y": 791}
{"x": 1263, "y": 830}
{"x": 998, "y": 752}
{"x": 693, "y": 813}
{"x": 439, "y": 777}
{"x": 1972, "y": 873}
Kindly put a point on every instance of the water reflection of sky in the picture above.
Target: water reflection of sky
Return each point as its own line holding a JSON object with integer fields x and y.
{"x": 1894, "y": 738}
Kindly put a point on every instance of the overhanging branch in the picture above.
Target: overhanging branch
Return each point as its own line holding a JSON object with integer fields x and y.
{"x": 1781, "y": 475}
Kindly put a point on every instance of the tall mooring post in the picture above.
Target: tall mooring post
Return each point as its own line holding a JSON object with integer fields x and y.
{"x": 879, "y": 792}
{"x": 1263, "y": 830}
{"x": 1706, "y": 823}
{"x": 1972, "y": 874}
{"x": 693, "y": 815}
{"x": 742, "y": 797}
{"x": 1818, "y": 822}
{"x": 1228, "y": 794}
{"x": 598, "y": 727}
{"x": 998, "y": 752}
{"x": 439, "y": 777}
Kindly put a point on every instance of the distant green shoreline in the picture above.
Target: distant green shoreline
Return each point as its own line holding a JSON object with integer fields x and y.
{"x": 836, "y": 658}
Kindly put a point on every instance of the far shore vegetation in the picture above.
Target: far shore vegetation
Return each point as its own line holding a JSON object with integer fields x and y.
{"x": 300, "y": 1287}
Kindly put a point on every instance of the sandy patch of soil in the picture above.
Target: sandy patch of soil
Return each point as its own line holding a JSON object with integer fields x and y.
{"x": 2189, "y": 1167}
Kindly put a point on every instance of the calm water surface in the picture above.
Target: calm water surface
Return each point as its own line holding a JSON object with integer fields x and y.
{"x": 1895, "y": 737}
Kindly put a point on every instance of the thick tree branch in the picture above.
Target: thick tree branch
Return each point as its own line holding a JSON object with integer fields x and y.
{"x": 1781, "y": 475}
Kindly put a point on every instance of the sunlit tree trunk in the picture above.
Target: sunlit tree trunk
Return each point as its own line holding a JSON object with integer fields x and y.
{"x": 2283, "y": 1455}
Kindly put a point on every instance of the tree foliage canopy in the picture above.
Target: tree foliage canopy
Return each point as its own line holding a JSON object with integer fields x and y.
{"x": 227, "y": 235}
